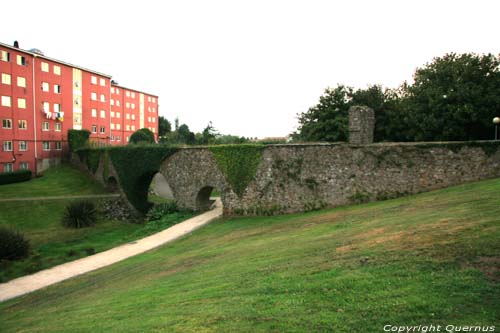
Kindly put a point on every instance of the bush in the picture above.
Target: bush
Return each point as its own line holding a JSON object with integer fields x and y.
{"x": 142, "y": 135}
{"x": 80, "y": 214}
{"x": 13, "y": 245}
{"x": 160, "y": 210}
{"x": 15, "y": 177}
{"x": 77, "y": 139}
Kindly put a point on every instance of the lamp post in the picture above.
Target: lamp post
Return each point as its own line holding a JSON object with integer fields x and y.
{"x": 496, "y": 121}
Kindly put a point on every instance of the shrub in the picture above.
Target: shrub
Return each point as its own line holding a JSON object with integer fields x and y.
{"x": 142, "y": 135}
{"x": 15, "y": 177}
{"x": 160, "y": 210}
{"x": 13, "y": 245}
{"x": 80, "y": 214}
{"x": 77, "y": 139}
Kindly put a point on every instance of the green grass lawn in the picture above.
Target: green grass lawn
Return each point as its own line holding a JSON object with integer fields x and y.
{"x": 61, "y": 180}
{"x": 40, "y": 222}
{"x": 432, "y": 258}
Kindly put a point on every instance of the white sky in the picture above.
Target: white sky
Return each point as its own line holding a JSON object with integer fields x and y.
{"x": 250, "y": 66}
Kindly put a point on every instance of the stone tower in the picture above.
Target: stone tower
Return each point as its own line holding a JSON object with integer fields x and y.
{"x": 361, "y": 125}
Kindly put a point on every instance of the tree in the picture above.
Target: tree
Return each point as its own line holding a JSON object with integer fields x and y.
{"x": 185, "y": 135}
{"x": 327, "y": 120}
{"x": 454, "y": 98}
{"x": 208, "y": 135}
{"x": 164, "y": 126}
{"x": 142, "y": 135}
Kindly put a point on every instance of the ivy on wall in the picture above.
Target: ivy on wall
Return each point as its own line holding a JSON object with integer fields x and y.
{"x": 238, "y": 163}
{"x": 135, "y": 165}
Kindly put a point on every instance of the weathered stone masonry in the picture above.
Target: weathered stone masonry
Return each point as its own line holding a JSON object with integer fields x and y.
{"x": 296, "y": 178}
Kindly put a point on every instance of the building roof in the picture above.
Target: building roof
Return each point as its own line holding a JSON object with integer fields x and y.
{"x": 38, "y": 55}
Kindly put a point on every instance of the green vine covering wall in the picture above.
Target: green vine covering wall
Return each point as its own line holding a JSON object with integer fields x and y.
{"x": 238, "y": 163}
{"x": 135, "y": 165}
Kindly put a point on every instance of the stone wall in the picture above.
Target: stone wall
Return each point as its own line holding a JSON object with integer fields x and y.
{"x": 361, "y": 125}
{"x": 296, "y": 178}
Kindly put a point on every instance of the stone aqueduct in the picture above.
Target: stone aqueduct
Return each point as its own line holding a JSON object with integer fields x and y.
{"x": 303, "y": 177}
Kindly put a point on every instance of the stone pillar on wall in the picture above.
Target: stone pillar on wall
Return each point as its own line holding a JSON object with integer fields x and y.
{"x": 361, "y": 125}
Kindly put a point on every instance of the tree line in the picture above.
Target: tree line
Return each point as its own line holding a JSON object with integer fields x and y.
{"x": 455, "y": 97}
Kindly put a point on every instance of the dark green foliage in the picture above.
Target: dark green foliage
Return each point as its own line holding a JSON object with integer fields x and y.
{"x": 136, "y": 167}
{"x": 80, "y": 214}
{"x": 13, "y": 245}
{"x": 142, "y": 135}
{"x": 91, "y": 157}
{"x": 15, "y": 177}
{"x": 454, "y": 98}
{"x": 158, "y": 211}
{"x": 238, "y": 163}
{"x": 164, "y": 126}
{"x": 77, "y": 139}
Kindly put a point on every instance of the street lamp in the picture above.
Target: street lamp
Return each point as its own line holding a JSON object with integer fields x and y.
{"x": 496, "y": 121}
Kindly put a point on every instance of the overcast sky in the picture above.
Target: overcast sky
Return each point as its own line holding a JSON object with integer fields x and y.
{"x": 250, "y": 66}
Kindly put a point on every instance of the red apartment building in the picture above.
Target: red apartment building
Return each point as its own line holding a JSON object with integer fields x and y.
{"x": 42, "y": 98}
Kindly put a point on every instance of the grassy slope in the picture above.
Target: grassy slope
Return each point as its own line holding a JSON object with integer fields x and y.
{"x": 427, "y": 259}
{"x": 61, "y": 180}
{"x": 40, "y": 222}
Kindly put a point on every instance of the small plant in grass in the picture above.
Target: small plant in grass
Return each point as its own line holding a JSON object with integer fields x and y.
{"x": 13, "y": 245}
{"x": 160, "y": 210}
{"x": 80, "y": 214}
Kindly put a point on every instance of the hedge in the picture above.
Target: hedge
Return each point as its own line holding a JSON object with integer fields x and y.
{"x": 77, "y": 139}
{"x": 15, "y": 176}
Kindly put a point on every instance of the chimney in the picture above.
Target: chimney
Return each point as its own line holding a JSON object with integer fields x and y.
{"x": 16, "y": 44}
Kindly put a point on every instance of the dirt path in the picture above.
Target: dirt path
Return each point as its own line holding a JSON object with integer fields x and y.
{"x": 60, "y": 197}
{"x": 39, "y": 280}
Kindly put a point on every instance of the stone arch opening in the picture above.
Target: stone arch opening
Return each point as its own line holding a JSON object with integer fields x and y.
{"x": 159, "y": 189}
{"x": 112, "y": 184}
{"x": 205, "y": 200}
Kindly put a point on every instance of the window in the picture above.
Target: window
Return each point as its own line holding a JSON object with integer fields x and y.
{"x": 118, "y": 138}
{"x": 21, "y": 82}
{"x": 6, "y": 78}
{"x": 133, "y": 116}
{"x": 94, "y": 128}
{"x": 8, "y": 167}
{"x": 149, "y": 119}
{"x": 127, "y": 115}
{"x": 6, "y": 123}
{"x": 153, "y": 119}
{"x": 133, "y": 95}
{"x": 103, "y": 129}
{"x": 103, "y": 98}
{"x": 46, "y": 106}
{"x": 117, "y": 91}
{"x": 112, "y": 114}
{"x": 21, "y": 60}
{"x": 45, "y": 86}
{"x": 58, "y": 127}
{"x": 127, "y": 93}
{"x": 46, "y": 145}
{"x": 112, "y": 138}
{"x": 23, "y": 146}
{"x": 118, "y": 126}
{"x": 112, "y": 101}
{"x": 77, "y": 101}
{"x": 94, "y": 113}
{"x": 93, "y": 96}
{"x": 112, "y": 126}
{"x": 149, "y": 98}
{"x": 22, "y": 124}
{"x": 117, "y": 103}
{"x": 58, "y": 145}
{"x": 133, "y": 127}
{"x": 127, "y": 127}
{"x": 24, "y": 166}
{"x": 127, "y": 104}
{"x": 112, "y": 90}
{"x": 7, "y": 146}
{"x": 118, "y": 115}
{"x": 21, "y": 103}
{"x": 154, "y": 110}
{"x": 133, "y": 106}
{"x": 103, "y": 114}
{"x": 57, "y": 70}
{"x": 45, "y": 67}
{"x": 5, "y": 56}
{"x": 57, "y": 89}
{"x": 127, "y": 138}
{"x": 45, "y": 126}
{"x": 102, "y": 82}
{"x": 93, "y": 80}
{"x": 57, "y": 107}
{"x": 6, "y": 101}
